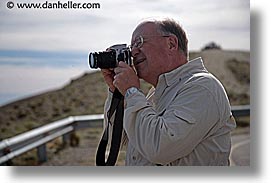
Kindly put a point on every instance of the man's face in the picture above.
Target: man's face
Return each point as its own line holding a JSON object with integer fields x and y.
{"x": 150, "y": 58}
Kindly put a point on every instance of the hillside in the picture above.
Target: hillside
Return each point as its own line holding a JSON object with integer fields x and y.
{"x": 86, "y": 95}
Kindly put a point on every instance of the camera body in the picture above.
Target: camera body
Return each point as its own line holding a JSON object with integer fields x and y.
{"x": 109, "y": 59}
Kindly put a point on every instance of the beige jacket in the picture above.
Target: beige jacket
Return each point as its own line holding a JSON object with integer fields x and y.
{"x": 186, "y": 120}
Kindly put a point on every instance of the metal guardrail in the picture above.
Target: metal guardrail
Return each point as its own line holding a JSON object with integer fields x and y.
{"x": 240, "y": 110}
{"x": 39, "y": 137}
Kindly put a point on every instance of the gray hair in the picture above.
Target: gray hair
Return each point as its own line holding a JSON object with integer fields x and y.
{"x": 170, "y": 26}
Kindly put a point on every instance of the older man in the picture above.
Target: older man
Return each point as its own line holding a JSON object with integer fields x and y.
{"x": 186, "y": 119}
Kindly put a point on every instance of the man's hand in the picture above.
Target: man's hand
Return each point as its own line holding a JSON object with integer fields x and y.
{"x": 108, "y": 75}
{"x": 125, "y": 78}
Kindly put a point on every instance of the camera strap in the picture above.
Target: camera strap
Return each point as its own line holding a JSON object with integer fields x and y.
{"x": 117, "y": 107}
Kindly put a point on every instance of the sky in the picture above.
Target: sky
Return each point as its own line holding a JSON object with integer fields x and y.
{"x": 43, "y": 49}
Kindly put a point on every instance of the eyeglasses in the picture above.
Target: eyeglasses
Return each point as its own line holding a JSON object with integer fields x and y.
{"x": 138, "y": 43}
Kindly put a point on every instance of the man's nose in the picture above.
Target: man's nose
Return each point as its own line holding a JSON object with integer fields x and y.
{"x": 135, "y": 51}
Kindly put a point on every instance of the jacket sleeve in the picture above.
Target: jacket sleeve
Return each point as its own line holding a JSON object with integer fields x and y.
{"x": 175, "y": 132}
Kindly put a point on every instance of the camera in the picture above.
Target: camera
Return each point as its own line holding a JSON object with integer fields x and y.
{"x": 109, "y": 59}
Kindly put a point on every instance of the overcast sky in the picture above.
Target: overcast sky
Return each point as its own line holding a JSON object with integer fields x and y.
{"x": 42, "y": 49}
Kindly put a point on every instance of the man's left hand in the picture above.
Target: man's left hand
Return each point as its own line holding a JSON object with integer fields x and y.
{"x": 125, "y": 78}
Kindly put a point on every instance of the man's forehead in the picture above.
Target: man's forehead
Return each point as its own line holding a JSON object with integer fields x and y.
{"x": 146, "y": 28}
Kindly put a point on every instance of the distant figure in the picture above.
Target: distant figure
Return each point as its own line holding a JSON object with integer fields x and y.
{"x": 186, "y": 118}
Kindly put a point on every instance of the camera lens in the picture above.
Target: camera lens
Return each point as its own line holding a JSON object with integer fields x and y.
{"x": 103, "y": 60}
{"x": 91, "y": 60}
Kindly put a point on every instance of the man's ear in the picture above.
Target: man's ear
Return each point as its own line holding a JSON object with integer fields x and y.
{"x": 173, "y": 42}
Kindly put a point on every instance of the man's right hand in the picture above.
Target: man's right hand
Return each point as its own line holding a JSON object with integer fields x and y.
{"x": 108, "y": 75}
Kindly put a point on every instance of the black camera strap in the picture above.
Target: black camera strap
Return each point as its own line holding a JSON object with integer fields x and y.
{"x": 117, "y": 104}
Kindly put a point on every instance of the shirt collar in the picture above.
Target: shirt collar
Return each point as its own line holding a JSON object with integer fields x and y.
{"x": 191, "y": 67}
{"x": 181, "y": 73}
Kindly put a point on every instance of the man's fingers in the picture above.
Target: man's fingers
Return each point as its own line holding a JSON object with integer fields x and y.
{"x": 107, "y": 71}
{"x": 116, "y": 82}
{"x": 122, "y": 64}
{"x": 119, "y": 69}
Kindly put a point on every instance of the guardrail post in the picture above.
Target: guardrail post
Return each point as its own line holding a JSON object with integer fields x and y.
{"x": 66, "y": 139}
{"x": 42, "y": 153}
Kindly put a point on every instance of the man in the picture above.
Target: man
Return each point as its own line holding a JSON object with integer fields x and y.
{"x": 187, "y": 119}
